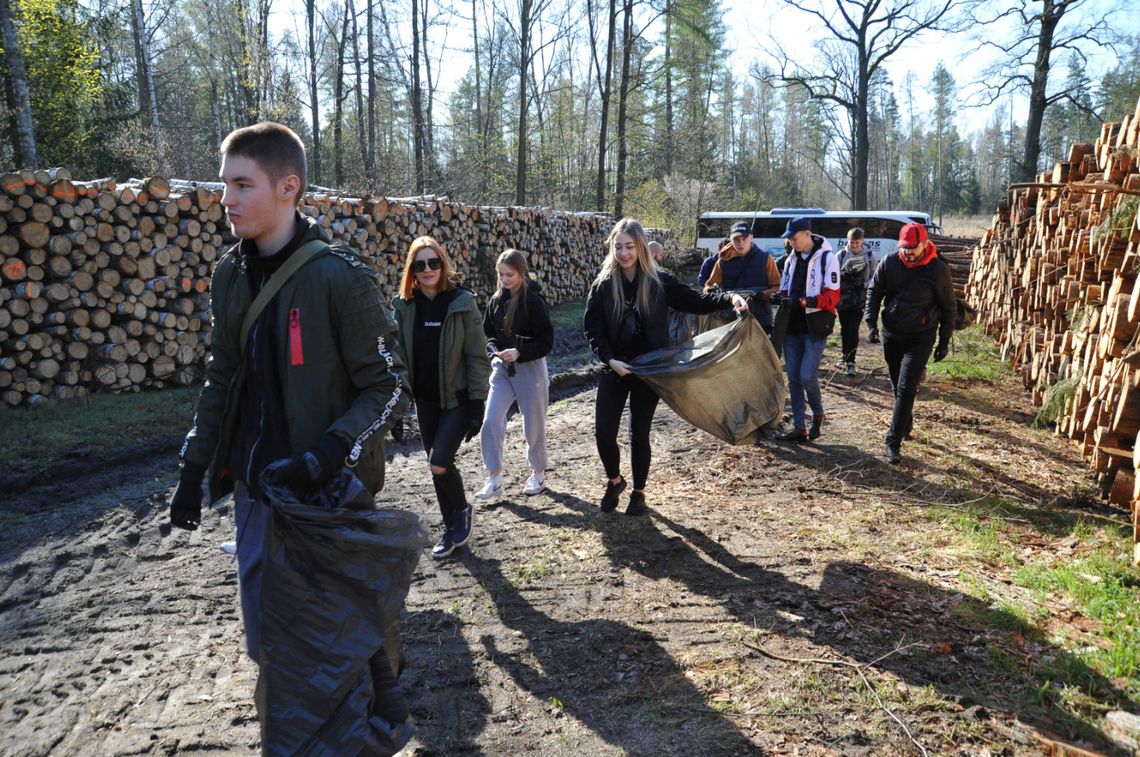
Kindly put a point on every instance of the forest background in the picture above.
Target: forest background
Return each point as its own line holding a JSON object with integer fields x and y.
{"x": 655, "y": 108}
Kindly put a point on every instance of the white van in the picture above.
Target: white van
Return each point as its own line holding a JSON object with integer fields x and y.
{"x": 880, "y": 227}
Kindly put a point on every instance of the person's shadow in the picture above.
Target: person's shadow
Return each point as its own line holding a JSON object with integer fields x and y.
{"x": 449, "y": 709}
{"x": 974, "y": 655}
{"x": 612, "y": 677}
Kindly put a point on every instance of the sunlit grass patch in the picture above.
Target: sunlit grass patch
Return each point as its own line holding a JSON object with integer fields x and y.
{"x": 974, "y": 356}
{"x": 34, "y": 438}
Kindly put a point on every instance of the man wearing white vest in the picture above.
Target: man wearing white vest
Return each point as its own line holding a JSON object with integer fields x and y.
{"x": 809, "y": 289}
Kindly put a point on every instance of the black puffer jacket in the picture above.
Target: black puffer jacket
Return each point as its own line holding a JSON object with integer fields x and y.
{"x": 602, "y": 324}
{"x": 913, "y": 300}
{"x": 531, "y": 333}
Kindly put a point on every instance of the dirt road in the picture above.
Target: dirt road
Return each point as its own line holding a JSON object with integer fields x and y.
{"x": 778, "y": 599}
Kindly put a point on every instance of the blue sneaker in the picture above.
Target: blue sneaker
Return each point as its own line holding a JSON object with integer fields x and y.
{"x": 461, "y": 532}
{"x": 445, "y": 546}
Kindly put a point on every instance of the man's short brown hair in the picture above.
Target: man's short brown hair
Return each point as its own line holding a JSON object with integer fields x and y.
{"x": 275, "y": 148}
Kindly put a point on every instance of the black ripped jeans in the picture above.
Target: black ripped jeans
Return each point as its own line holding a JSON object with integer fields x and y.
{"x": 442, "y": 432}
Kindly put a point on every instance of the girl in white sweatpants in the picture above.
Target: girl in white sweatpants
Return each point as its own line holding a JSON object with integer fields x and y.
{"x": 519, "y": 336}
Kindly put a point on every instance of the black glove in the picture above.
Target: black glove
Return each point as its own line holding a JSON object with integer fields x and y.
{"x": 776, "y": 298}
{"x": 303, "y": 471}
{"x": 398, "y": 430}
{"x": 873, "y": 337}
{"x": 312, "y": 467}
{"x": 940, "y": 352}
{"x": 475, "y": 409}
{"x": 186, "y": 502}
{"x": 811, "y": 302}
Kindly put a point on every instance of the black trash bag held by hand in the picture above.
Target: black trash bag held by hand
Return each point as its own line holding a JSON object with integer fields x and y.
{"x": 335, "y": 575}
{"x": 727, "y": 381}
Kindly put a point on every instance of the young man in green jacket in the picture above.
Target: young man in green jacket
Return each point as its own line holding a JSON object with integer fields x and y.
{"x": 315, "y": 381}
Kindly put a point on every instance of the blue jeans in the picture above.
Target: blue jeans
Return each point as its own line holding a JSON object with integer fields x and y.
{"x": 802, "y": 353}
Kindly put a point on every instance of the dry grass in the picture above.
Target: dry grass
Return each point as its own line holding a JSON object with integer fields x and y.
{"x": 966, "y": 226}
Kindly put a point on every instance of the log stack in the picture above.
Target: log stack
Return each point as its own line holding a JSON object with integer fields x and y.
{"x": 1055, "y": 281}
{"x": 104, "y": 284}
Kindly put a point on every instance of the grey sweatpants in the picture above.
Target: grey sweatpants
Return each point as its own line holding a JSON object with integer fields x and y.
{"x": 530, "y": 386}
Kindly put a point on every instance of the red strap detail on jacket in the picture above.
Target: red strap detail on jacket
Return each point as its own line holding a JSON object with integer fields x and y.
{"x": 296, "y": 351}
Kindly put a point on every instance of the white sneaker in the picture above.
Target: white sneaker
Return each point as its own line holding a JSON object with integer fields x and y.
{"x": 229, "y": 547}
{"x": 493, "y": 488}
{"x": 536, "y": 484}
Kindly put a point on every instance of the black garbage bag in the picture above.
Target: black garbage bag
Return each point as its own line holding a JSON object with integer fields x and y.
{"x": 726, "y": 381}
{"x": 335, "y": 575}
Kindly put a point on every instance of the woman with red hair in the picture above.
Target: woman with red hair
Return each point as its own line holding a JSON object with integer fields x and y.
{"x": 441, "y": 337}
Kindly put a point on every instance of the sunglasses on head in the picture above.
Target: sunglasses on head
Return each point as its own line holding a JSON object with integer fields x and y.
{"x": 419, "y": 266}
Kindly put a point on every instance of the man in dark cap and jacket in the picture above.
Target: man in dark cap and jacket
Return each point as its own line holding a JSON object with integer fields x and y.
{"x": 915, "y": 291}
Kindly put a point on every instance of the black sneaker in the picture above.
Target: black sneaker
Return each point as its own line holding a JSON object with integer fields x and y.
{"x": 610, "y": 498}
{"x": 796, "y": 436}
{"x": 816, "y": 423}
{"x": 462, "y": 530}
{"x": 636, "y": 504}
{"x": 894, "y": 456}
{"x": 445, "y": 546}
{"x": 850, "y": 369}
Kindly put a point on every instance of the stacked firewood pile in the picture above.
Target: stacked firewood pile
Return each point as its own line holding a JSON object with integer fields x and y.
{"x": 1055, "y": 280}
{"x": 104, "y": 285}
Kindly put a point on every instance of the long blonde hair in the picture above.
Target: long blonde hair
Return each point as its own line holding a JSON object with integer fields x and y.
{"x": 647, "y": 268}
{"x": 512, "y": 258}
{"x": 408, "y": 284}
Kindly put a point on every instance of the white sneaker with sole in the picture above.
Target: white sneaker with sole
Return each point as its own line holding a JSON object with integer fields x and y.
{"x": 536, "y": 484}
{"x": 492, "y": 488}
{"x": 229, "y": 547}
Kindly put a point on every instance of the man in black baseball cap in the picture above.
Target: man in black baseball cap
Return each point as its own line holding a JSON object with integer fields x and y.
{"x": 742, "y": 266}
{"x": 915, "y": 290}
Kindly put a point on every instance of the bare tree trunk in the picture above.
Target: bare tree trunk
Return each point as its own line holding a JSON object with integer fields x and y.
{"x": 429, "y": 124}
{"x": 370, "y": 159}
{"x": 19, "y": 97}
{"x": 360, "y": 138}
{"x": 148, "y": 97}
{"x": 417, "y": 108}
{"x": 623, "y": 101}
{"x": 478, "y": 94}
{"x": 668, "y": 90}
{"x": 314, "y": 103}
{"x": 1051, "y": 14}
{"x": 600, "y": 189}
{"x": 524, "y": 64}
{"x": 338, "y": 106}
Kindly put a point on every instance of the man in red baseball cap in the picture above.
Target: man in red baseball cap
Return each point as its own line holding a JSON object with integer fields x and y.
{"x": 915, "y": 291}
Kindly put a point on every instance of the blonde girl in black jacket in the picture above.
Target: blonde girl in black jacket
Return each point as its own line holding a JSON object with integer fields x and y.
{"x": 627, "y": 315}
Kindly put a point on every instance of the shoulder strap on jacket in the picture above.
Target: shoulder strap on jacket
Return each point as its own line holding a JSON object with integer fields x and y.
{"x": 303, "y": 255}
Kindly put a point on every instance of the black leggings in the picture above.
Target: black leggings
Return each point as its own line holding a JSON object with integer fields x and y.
{"x": 612, "y": 393}
{"x": 849, "y": 321}
{"x": 442, "y": 432}
{"x": 906, "y": 359}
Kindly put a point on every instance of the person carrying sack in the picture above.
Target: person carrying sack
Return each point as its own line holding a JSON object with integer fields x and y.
{"x": 741, "y": 266}
{"x": 627, "y": 315}
{"x": 301, "y": 370}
